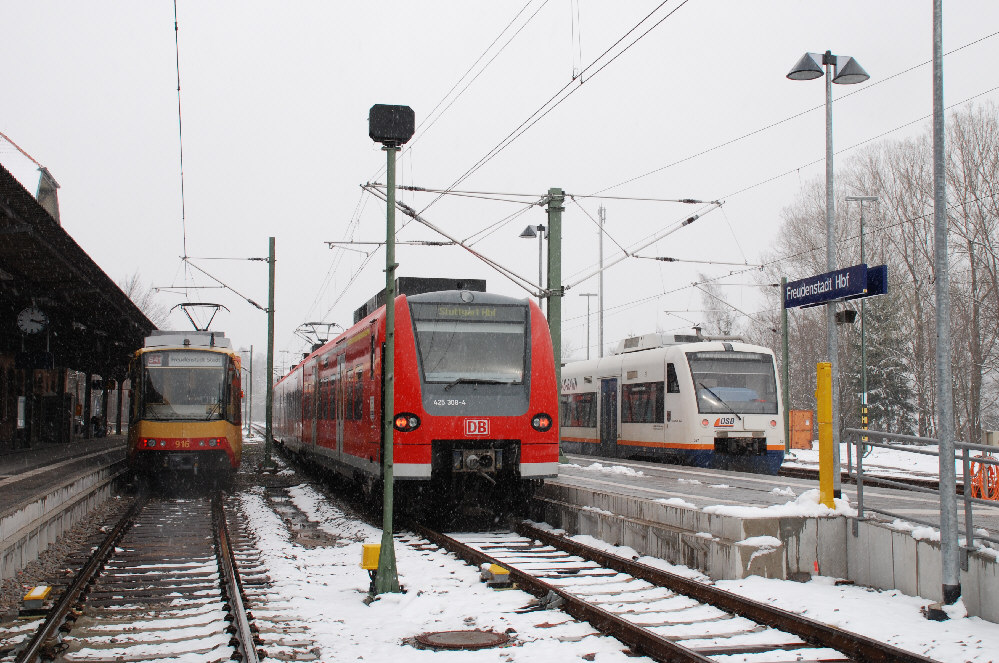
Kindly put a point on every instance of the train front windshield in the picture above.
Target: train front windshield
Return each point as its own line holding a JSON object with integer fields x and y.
{"x": 185, "y": 385}
{"x": 472, "y": 343}
{"x": 734, "y": 382}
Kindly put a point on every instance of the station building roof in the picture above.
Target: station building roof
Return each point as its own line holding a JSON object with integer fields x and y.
{"x": 92, "y": 325}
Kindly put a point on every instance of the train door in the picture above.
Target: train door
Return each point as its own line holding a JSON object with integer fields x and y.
{"x": 608, "y": 416}
{"x": 673, "y": 406}
{"x": 306, "y": 405}
{"x": 316, "y": 400}
{"x": 341, "y": 362}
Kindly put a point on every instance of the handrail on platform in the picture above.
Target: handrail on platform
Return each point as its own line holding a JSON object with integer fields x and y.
{"x": 981, "y": 476}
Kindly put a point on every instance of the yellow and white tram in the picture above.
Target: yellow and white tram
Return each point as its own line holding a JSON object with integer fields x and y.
{"x": 185, "y": 403}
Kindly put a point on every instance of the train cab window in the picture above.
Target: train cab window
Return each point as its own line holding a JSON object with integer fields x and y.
{"x": 672, "y": 384}
{"x": 642, "y": 403}
{"x": 185, "y": 385}
{"x": 727, "y": 382}
{"x": 471, "y": 343}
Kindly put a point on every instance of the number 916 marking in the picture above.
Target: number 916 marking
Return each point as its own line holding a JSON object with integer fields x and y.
{"x": 449, "y": 402}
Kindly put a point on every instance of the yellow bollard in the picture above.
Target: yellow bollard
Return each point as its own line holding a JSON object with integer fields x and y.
{"x": 823, "y": 402}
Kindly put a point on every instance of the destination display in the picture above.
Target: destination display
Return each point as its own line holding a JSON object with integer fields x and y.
{"x": 847, "y": 283}
{"x": 183, "y": 359}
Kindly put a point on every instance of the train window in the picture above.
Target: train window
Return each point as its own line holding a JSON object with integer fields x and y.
{"x": 642, "y": 403}
{"x": 734, "y": 382}
{"x": 350, "y": 396}
{"x": 578, "y": 410}
{"x": 371, "y": 354}
{"x": 358, "y": 399}
{"x": 333, "y": 407}
{"x": 321, "y": 401}
{"x": 672, "y": 384}
{"x": 234, "y": 414}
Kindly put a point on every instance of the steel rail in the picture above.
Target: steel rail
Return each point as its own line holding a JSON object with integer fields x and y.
{"x": 95, "y": 563}
{"x": 931, "y": 485}
{"x": 638, "y": 638}
{"x": 244, "y": 639}
{"x": 856, "y": 646}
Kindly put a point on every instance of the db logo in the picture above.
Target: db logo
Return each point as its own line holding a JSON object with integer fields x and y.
{"x": 476, "y": 427}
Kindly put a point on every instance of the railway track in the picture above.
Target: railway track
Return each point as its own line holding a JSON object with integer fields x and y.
{"x": 656, "y": 613}
{"x": 162, "y": 584}
{"x": 871, "y": 480}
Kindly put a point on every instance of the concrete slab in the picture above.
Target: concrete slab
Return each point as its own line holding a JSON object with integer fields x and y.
{"x": 662, "y": 511}
{"x": 905, "y": 563}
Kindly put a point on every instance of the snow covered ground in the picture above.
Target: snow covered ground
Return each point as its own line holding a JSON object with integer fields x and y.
{"x": 326, "y": 587}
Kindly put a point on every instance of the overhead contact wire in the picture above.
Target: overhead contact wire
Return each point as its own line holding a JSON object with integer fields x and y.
{"x": 551, "y": 103}
{"x": 180, "y": 127}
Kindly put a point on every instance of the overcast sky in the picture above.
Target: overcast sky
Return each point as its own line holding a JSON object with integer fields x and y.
{"x": 275, "y": 98}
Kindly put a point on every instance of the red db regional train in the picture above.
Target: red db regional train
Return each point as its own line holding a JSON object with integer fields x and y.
{"x": 677, "y": 398}
{"x": 476, "y": 401}
{"x": 185, "y": 400}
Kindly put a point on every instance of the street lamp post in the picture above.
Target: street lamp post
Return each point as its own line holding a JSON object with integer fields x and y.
{"x": 530, "y": 232}
{"x": 863, "y": 317}
{"x": 587, "y": 295}
{"x": 843, "y": 70}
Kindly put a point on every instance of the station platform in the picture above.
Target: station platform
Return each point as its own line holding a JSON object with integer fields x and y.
{"x": 732, "y": 525}
{"x": 45, "y": 490}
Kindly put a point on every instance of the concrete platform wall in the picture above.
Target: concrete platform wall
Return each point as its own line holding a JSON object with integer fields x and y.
{"x": 28, "y": 530}
{"x": 726, "y": 547}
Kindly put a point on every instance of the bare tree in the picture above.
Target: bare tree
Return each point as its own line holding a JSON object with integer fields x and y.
{"x": 899, "y": 232}
{"x": 145, "y": 297}
{"x": 973, "y": 179}
{"x": 720, "y": 318}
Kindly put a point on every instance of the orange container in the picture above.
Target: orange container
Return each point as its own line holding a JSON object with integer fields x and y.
{"x": 801, "y": 429}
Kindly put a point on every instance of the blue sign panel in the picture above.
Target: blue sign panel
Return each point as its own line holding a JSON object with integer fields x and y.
{"x": 846, "y": 283}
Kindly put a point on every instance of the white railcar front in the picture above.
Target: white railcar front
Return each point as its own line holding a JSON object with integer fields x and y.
{"x": 680, "y": 399}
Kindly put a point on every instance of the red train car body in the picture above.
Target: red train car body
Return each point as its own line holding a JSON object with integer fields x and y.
{"x": 475, "y": 400}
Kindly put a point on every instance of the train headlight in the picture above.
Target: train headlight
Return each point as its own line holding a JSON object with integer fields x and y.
{"x": 541, "y": 422}
{"x": 406, "y": 422}
{"x": 773, "y": 423}
{"x": 213, "y": 443}
{"x": 705, "y": 422}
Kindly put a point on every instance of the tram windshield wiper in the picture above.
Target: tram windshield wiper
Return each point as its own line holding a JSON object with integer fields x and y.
{"x": 720, "y": 400}
{"x": 475, "y": 381}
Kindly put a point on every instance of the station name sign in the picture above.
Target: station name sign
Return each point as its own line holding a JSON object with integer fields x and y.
{"x": 842, "y": 284}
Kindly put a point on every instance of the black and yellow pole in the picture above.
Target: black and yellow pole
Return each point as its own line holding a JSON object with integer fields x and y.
{"x": 387, "y": 578}
{"x": 392, "y": 126}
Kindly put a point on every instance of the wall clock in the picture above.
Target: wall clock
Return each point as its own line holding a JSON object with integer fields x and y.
{"x": 32, "y": 320}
